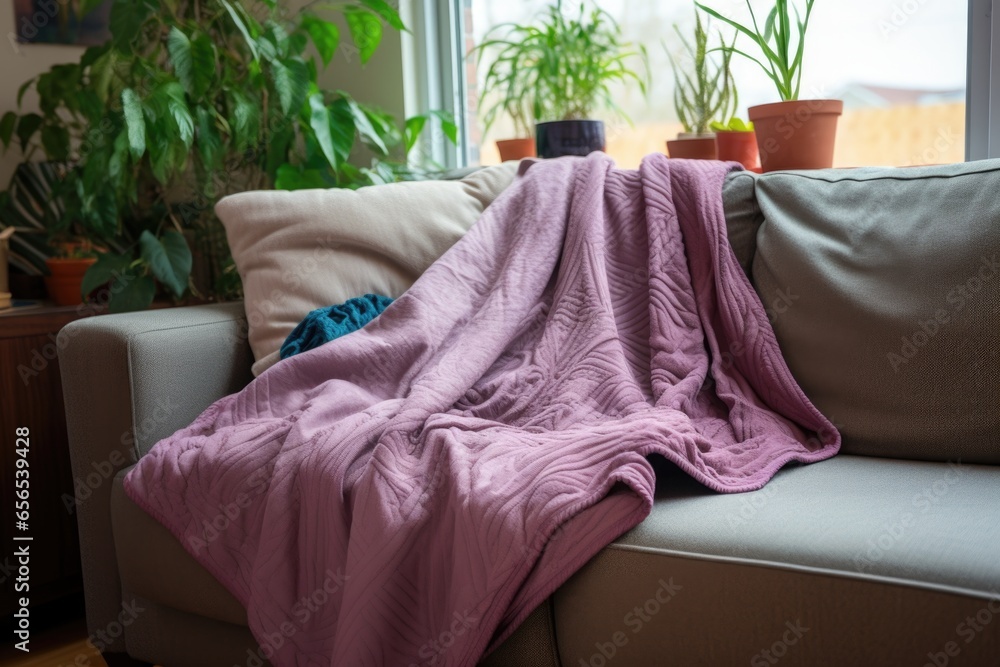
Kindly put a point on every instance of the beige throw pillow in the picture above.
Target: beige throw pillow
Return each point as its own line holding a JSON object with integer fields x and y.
{"x": 298, "y": 251}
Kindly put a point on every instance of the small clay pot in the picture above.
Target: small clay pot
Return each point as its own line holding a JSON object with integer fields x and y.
{"x": 516, "y": 149}
{"x": 65, "y": 280}
{"x": 738, "y": 147}
{"x": 692, "y": 147}
{"x": 796, "y": 135}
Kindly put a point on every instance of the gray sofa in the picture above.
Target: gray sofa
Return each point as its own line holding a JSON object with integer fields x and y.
{"x": 880, "y": 287}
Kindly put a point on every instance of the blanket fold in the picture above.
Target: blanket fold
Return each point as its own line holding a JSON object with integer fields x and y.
{"x": 408, "y": 493}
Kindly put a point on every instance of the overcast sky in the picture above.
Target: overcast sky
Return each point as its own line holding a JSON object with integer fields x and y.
{"x": 902, "y": 43}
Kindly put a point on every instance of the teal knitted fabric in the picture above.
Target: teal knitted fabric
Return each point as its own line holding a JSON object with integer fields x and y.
{"x": 324, "y": 324}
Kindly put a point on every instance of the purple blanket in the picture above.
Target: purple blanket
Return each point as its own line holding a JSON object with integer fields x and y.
{"x": 393, "y": 497}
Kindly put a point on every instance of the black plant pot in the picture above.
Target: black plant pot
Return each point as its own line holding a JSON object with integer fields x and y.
{"x": 569, "y": 137}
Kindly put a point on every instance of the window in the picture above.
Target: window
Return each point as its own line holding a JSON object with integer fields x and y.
{"x": 902, "y": 68}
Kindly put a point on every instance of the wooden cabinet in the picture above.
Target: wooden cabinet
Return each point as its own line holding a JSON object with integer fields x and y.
{"x": 31, "y": 392}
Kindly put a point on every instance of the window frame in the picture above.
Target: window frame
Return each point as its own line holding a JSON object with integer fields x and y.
{"x": 438, "y": 80}
{"x": 433, "y": 66}
{"x": 982, "y": 110}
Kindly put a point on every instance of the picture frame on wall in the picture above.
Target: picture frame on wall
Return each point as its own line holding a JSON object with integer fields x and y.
{"x": 75, "y": 22}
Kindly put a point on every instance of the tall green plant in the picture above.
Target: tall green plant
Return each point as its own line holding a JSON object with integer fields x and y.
{"x": 781, "y": 43}
{"x": 706, "y": 92}
{"x": 508, "y": 86}
{"x": 561, "y": 69}
{"x": 192, "y": 100}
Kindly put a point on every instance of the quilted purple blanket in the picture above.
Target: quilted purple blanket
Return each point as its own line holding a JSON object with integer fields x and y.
{"x": 392, "y": 497}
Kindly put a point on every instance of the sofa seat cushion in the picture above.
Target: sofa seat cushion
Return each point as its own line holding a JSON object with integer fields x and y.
{"x": 879, "y": 558}
{"x": 931, "y": 525}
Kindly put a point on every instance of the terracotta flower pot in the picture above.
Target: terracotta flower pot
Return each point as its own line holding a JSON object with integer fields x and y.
{"x": 65, "y": 279}
{"x": 516, "y": 149}
{"x": 738, "y": 147}
{"x": 796, "y": 135}
{"x": 692, "y": 147}
{"x": 569, "y": 137}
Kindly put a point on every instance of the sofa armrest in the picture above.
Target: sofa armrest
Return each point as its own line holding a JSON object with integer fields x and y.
{"x": 128, "y": 381}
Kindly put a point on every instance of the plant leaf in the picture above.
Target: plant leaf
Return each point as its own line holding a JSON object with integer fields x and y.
{"x": 27, "y": 127}
{"x": 23, "y": 89}
{"x": 291, "y": 177}
{"x": 173, "y": 96}
{"x": 242, "y": 27}
{"x": 342, "y": 127}
{"x": 414, "y": 126}
{"x": 117, "y": 161}
{"x": 169, "y": 259}
{"x": 179, "y": 47}
{"x": 7, "y": 125}
{"x": 131, "y": 292}
{"x": 291, "y": 82}
{"x": 386, "y": 11}
{"x": 364, "y": 126}
{"x": 55, "y": 141}
{"x": 209, "y": 141}
{"x": 325, "y": 35}
{"x": 193, "y": 60}
{"x": 107, "y": 268}
{"x": 366, "y": 31}
{"x": 319, "y": 121}
{"x": 134, "y": 122}
{"x": 127, "y": 18}
{"x": 448, "y": 125}
{"x": 245, "y": 121}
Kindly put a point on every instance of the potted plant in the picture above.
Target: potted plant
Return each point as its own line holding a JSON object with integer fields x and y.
{"x": 29, "y": 208}
{"x": 189, "y": 102}
{"x": 508, "y": 89}
{"x": 735, "y": 141}
{"x": 566, "y": 66}
{"x": 792, "y": 133}
{"x": 67, "y": 268}
{"x": 701, "y": 94}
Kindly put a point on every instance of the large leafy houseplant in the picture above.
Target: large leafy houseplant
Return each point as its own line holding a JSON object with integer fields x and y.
{"x": 189, "y": 101}
{"x": 791, "y": 134}
{"x": 562, "y": 67}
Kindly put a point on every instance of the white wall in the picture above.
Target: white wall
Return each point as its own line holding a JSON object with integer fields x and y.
{"x": 380, "y": 82}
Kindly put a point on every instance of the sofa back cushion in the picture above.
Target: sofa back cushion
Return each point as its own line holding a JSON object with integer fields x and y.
{"x": 299, "y": 251}
{"x": 883, "y": 286}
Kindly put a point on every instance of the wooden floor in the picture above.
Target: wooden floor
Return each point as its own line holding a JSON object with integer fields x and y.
{"x": 71, "y": 655}
{"x": 63, "y": 646}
